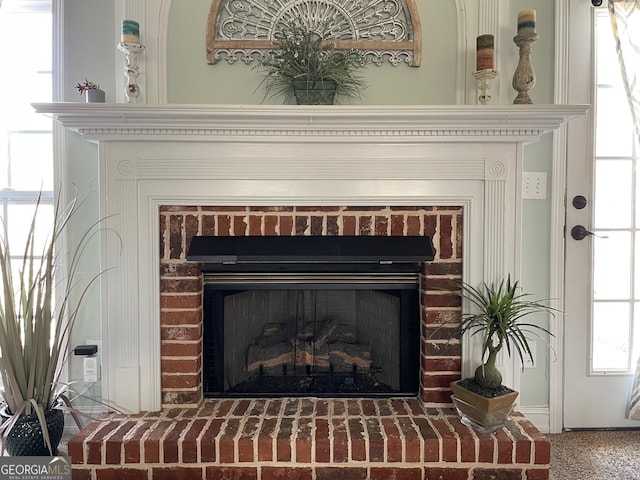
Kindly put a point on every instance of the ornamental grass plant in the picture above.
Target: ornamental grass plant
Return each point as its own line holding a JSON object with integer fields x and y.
{"x": 302, "y": 54}
{"x": 37, "y": 316}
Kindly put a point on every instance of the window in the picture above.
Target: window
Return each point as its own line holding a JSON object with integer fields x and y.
{"x": 26, "y": 152}
{"x": 616, "y": 308}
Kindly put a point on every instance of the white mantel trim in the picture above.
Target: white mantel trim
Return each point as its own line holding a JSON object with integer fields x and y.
{"x": 153, "y": 155}
{"x": 466, "y": 123}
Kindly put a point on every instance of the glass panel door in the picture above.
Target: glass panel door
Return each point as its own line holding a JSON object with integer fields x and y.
{"x": 601, "y": 286}
{"x": 616, "y": 286}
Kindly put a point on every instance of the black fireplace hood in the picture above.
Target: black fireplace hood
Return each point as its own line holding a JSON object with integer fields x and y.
{"x": 306, "y": 251}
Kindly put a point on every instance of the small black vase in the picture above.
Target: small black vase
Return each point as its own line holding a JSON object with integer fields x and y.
{"x": 26, "y": 438}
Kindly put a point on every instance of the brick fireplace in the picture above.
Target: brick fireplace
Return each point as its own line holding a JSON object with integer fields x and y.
{"x": 169, "y": 171}
{"x": 418, "y": 437}
{"x": 181, "y": 281}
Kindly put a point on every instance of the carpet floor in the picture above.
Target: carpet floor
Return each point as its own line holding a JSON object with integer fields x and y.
{"x": 595, "y": 455}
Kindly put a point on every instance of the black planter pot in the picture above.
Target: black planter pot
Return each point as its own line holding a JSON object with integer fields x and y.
{"x": 26, "y": 438}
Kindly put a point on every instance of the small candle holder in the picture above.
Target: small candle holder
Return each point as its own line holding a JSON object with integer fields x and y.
{"x": 485, "y": 77}
{"x": 524, "y": 78}
{"x": 132, "y": 70}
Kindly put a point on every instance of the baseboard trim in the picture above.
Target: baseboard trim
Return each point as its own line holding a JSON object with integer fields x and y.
{"x": 70, "y": 426}
{"x": 539, "y": 416}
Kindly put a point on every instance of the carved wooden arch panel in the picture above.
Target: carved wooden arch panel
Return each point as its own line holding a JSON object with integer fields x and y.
{"x": 385, "y": 30}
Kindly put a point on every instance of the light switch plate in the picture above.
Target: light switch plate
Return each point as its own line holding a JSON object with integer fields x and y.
{"x": 534, "y": 185}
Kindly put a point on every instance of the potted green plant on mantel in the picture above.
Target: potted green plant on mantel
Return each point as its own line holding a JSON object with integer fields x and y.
{"x": 36, "y": 318}
{"x": 92, "y": 91}
{"x": 303, "y": 65}
{"x": 482, "y": 401}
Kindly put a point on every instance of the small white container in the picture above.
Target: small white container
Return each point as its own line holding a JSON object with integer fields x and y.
{"x": 95, "y": 95}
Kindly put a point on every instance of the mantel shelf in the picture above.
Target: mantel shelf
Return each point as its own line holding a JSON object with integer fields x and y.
{"x": 466, "y": 123}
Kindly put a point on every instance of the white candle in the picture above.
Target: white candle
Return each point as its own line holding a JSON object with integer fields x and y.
{"x": 526, "y": 21}
{"x": 130, "y": 31}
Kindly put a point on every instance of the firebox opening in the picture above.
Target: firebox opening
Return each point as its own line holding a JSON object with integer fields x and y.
{"x": 322, "y": 316}
{"x": 323, "y": 342}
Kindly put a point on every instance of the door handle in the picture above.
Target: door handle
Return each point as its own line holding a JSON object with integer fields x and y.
{"x": 578, "y": 232}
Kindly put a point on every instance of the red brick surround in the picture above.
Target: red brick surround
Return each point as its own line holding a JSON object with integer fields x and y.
{"x": 181, "y": 282}
{"x": 306, "y": 439}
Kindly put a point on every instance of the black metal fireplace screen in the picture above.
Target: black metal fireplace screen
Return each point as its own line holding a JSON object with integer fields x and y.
{"x": 316, "y": 319}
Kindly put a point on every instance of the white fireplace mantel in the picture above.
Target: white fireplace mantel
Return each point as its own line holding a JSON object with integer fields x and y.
{"x": 464, "y": 123}
{"x": 153, "y": 155}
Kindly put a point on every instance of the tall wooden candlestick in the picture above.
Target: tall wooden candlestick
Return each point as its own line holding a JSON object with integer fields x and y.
{"x": 524, "y": 78}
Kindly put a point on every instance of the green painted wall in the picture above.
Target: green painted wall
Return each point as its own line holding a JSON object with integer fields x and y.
{"x": 89, "y": 51}
{"x": 536, "y": 214}
{"x": 192, "y": 80}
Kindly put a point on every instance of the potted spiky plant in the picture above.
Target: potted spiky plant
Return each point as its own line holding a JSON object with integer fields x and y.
{"x": 306, "y": 65}
{"x": 92, "y": 91}
{"x": 36, "y": 319}
{"x": 500, "y": 320}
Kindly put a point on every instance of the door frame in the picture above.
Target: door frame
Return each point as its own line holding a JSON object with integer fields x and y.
{"x": 570, "y": 24}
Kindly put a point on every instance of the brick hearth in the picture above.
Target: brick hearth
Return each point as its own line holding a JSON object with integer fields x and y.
{"x": 306, "y": 439}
